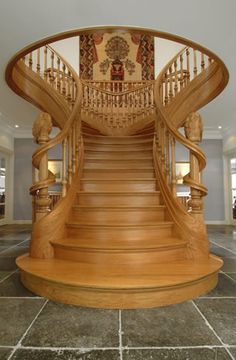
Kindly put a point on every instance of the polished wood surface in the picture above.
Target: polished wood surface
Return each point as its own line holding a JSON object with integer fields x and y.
{"x": 119, "y": 203}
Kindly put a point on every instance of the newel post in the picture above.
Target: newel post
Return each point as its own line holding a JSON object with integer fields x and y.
{"x": 41, "y": 130}
{"x": 193, "y": 128}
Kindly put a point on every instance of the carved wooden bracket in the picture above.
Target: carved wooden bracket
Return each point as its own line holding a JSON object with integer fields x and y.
{"x": 193, "y": 127}
{"x": 42, "y": 127}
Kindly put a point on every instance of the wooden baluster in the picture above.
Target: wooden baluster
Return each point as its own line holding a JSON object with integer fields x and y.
{"x": 181, "y": 72}
{"x": 194, "y": 62}
{"x": 41, "y": 130}
{"x": 170, "y": 83}
{"x": 52, "y": 78}
{"x": 188, "y": 65}
{"x": 202, "y": 62}
{"x": 64, "y": 80}
{"x": 58, "y": 74}
{"x": 166, "y": 89}
{"x": 167, "y": 144}
{"x": 64, "y": 177}
{"x": 74, "y": 148}
{"x": 193, "y": 128}
{"x": 45, "y": 62}
{"x": 176, "y": 77}
{"x": 70, "y": 157}
{"x": 77, "y": 141}
{"x": 31, "y": 60}
{"x": 68, "y": 97}
{"x": 173, "y": 167}
{"x": 38, "y": 62}
{"x": 72, "y": 92}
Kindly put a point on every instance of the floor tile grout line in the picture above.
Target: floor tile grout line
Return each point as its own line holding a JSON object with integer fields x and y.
{"x": 120, "y": 336}
{"x": 12, "y": 247}
{"x": 8, "y": 276}
{"x": 212, "y": 329}
{"x": 223, "y": 247}
{"x": 18, "y": 345}
{"x": 56, "y": 348}
{"x": 228, "y": 276}
{"x": 216, "y": 297}
{"x": 22, "y": 297}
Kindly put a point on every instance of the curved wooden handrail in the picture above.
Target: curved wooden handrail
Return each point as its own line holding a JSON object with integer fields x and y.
{"x": 175, "y": 86}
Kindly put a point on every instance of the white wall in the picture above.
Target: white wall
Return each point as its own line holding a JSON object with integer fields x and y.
{"x": 165, "y": 50}
{"x": 69, "y": 49}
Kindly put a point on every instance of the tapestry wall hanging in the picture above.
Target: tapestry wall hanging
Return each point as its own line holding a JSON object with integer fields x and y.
{"x": 116, "y": 56}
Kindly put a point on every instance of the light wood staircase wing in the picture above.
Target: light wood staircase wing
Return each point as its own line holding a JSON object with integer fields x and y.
{"x": 119, "y": 237}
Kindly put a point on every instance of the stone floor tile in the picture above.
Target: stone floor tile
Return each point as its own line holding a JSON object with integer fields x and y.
{"x": 12, "y": 286}
{"x": 166, "y": 326}
{"x": 23, "y": 354}
{"x": 65, "y": 325}
{"x": 10, "y": 242}
{"x": 225, "y": 287}
{"x": 3, "y": 274}
{"x": 229, "y": 244}
{"x": 233, "y": 352}
{"x": 232, "y": 275}
{"x": 219, "y": 251}
{"x": 16, "y": 315}
{"x": 221, "y": 315}
{"x": 7, "y": 263}
{"x": 229, "y": 264}
{"x": 4, "y": 353}
{"x": 15, "y": 251}
{"x": 177, "y": 354}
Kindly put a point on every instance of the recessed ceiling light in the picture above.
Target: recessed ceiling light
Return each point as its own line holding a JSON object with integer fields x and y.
{"x": 219, "y": 127}
{"x": 16, "y": 126}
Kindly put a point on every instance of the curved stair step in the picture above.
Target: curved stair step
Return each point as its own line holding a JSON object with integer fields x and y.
{"x": 141, "y": 184}
{"x": 121, "y": 252}
{"x": 118, "y": 173}
{"x": 127, "y": 232}
{"x": 117, "y": 214}
{"x": 108, "y": 198}
{"x": 100, "y": 285}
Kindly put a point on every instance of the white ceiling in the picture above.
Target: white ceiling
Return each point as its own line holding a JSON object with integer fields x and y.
{"x": 210, "y": 23}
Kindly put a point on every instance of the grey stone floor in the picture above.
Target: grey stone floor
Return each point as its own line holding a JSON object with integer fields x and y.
{"x": 32, "y": 328}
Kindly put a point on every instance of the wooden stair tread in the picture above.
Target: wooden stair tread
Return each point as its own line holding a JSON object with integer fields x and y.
{"x": 119, "y": 244}
{"x": 119, "y": 278}
{"x": 118, "y": 207}
{"x": 119, "y": 192}
{"x": 157, "y": 224}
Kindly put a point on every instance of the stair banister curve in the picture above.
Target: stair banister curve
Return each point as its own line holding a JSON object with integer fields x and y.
{"x": 175, "y": 82}
{"x": 54, "y": 75}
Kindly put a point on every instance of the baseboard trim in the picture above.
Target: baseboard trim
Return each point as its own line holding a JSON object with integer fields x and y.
{"x": 216, "y": 222}
{"x": 21, "y": 222}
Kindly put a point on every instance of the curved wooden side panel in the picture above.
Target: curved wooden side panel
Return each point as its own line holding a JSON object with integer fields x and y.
{"x": 52, "y": 226}
{"x": 199, "y": 92}
{"x": 189, "y": 228}
{"x": 34, "y": 89}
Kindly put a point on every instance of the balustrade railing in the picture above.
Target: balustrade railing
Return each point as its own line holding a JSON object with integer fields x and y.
{"x": 51, "y": 67}
{"x": 186, "y": 66}
{"x": 118, "y": 104}
{"x": 55, "y": 71}
{"x": 174, "y": 78}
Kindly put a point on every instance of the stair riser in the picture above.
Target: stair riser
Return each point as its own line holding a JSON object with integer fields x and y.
{"x": 88, "y": 185}
{"x": 118, "y": 199}
{"x": 118, "y": 140}
{"x": 116, "y": 147}
{"x": 116, "y": 217}
{"x": 106, "y": 234}
{"x": 118, "y": 174}
{"x": 129, "y": 155}
{"x": 117, "y": 164}
{"x": 120, "y": 257}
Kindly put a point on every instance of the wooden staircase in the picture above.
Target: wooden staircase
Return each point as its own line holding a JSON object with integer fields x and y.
{"x": 118, "y": 237}
{"x": 121, "y": 249}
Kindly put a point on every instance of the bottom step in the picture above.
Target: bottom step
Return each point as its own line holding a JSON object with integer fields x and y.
{"x": 125, "y": 287}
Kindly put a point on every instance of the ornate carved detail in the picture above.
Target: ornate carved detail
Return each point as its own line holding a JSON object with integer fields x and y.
{"x": 193, "y": 127}
{"x": 117, "y": 48}
{"x": 42, "y": 127}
